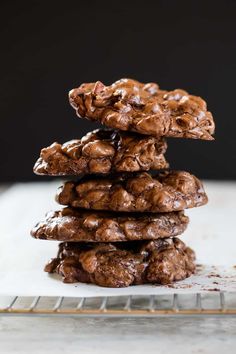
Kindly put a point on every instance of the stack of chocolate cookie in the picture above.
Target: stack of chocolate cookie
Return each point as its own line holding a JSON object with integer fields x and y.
{"x": 120, "y": 223}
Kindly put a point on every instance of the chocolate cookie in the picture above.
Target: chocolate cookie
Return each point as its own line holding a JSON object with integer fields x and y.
{"x": 79, "y": 225}
{"x": 122, "y": 264}
{"x": 144, "y": 108}
{"x": 166, "y": 192}
{"x": 103, "y": 151}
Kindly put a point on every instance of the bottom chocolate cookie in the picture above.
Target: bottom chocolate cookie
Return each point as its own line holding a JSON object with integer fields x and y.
{"x": 162, "y": 261}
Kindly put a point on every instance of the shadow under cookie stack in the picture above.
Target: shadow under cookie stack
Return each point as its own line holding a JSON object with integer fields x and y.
{"x": 120, "y": 223}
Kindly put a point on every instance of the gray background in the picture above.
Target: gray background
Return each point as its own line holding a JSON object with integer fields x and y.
{"x": 49, "y": 48}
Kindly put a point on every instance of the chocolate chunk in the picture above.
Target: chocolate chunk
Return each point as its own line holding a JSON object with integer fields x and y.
{"x": 166, "y": 192}
{"x": 102, "y": 151}
{"x": 118, "y": 265}
{"x": 144, "y": 108}
{"x": 79, "y": 225}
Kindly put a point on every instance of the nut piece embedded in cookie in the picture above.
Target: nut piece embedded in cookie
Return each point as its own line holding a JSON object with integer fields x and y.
{"x": 103, "y": 151}
{"x": 122, "y": 264}
{"x": 166, "y": 192}
{"x": 144, "y": 108}
{"x": 79, "y": 225}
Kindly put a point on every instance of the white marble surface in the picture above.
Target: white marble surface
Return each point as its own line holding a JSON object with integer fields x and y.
{"x": 25, "y": 335}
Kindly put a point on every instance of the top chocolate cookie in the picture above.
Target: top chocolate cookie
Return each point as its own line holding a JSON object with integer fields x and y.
{"x": 103, "y": 151}
{"x": 144, "y": 108}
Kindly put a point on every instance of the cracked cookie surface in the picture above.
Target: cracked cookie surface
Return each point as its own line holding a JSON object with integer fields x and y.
{"x": 122, "y": 264}
{"x": 103, "y": 151}
{"x": 144, "y": 108}
{"x": 79, "y": 225}
{"x": 166, "y": 192}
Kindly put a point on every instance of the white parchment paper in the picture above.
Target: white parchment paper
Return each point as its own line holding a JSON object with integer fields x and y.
{"x": 211, "y": 233}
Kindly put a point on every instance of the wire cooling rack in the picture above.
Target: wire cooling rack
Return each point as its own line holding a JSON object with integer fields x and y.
{"x": 218, "y": 303}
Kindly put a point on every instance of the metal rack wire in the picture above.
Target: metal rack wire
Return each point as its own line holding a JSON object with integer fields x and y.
{"x": 219, "y": 303}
